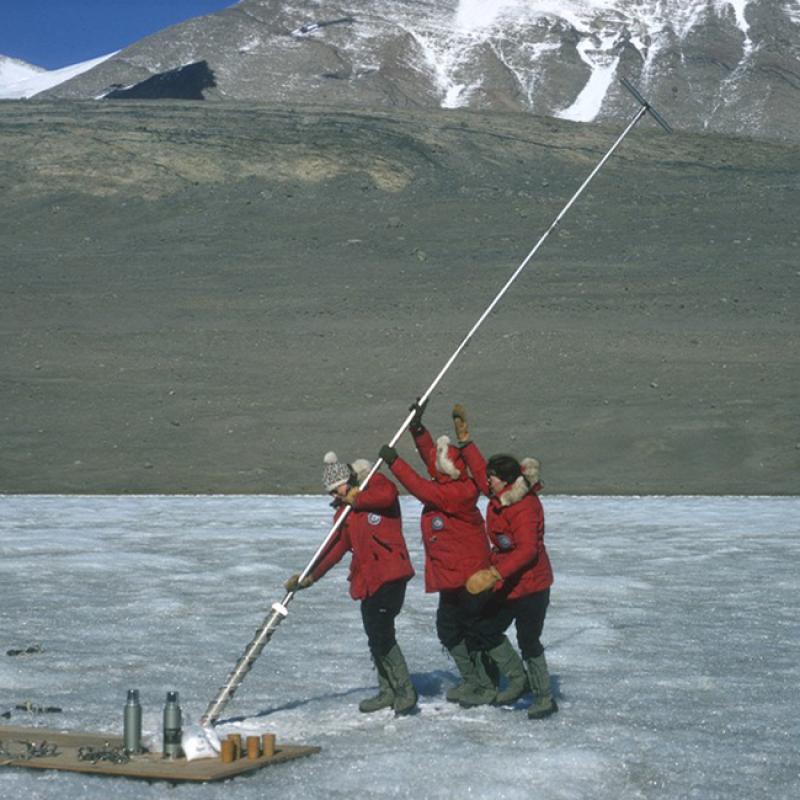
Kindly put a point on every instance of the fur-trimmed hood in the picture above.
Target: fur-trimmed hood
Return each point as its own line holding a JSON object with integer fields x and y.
{"x": 449, "y": 463}
{"x": 361, "y": 468}
{"x": 522, "y": 485}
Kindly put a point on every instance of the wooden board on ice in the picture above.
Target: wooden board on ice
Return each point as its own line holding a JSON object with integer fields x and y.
{"x": 42, "y": 748}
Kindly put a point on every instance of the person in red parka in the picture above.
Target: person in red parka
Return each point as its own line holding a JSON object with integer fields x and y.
{"x": 456, "y": 547}
{"x": 520, "y": 575}
{"x": 380, "y": 568}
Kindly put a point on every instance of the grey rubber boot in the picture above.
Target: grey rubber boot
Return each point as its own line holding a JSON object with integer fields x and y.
{"x": 385, "y": 696}
{"x": 405, "y": 695}
{"x": 460, "y": 655}
{"x": 543, "y": 704}
{"x": 510, "y": 664}
{"x": 480, "y": 689}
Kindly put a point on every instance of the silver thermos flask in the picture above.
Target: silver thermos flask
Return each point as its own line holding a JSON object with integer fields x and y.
{"x": 132, "y": 723}
{"x": 173, "y": 723}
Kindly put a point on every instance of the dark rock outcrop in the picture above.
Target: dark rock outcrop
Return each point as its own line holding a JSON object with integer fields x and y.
{"x": 185, "y": 83}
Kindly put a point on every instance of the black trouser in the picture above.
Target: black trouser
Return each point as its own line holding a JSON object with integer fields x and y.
{"x": 458, "y": 618}
{"x": 378, "y": 612}
{"x": 527, "y": 612}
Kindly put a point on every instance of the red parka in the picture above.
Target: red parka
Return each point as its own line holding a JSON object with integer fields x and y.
{"x": 452, "y": 526}
{"x": 515, "y": 525}
{"x": 373, "y": 532}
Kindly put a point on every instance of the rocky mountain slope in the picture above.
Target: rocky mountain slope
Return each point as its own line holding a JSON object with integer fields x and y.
{"x": 206, "y": 297}
{"x": 710, "y": 65}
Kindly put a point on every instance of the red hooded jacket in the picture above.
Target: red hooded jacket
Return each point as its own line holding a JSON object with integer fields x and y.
{"x": 373, "y": 532}
{"x": 515, "y": 525}
{"x": 452, "y": 526}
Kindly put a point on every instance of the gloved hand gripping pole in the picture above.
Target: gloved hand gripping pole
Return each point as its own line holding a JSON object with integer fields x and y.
{"x": 279, "y": 610}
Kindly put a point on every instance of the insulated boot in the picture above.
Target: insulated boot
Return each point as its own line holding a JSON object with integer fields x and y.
{"x": 491, "y": 670}
{"x": 460, "y": 655}
{"x": 543, "y": 704}
{"x": 510, "y": 664}
{"x": 405, "y": 695}
{"x": 480, "y": 689}
{"x": 385, "y": 696}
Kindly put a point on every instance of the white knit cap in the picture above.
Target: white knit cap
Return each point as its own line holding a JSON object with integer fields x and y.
{"x": 334, "y": 473}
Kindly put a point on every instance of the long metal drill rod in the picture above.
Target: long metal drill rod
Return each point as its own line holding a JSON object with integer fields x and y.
{"x": 279, "y": 612}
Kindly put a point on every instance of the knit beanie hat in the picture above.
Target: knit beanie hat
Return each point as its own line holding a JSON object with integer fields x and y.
{"x": 334, "y": 473}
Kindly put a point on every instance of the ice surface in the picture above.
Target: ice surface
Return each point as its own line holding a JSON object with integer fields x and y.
{"x": 673, "y": 640}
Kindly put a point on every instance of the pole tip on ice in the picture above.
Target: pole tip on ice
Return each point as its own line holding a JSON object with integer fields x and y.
{"x": 656, "y": 116}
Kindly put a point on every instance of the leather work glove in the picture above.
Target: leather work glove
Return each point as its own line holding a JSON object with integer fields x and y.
{"x": 294, "y": 584}
{"x": 460, "y": 423}
{"x": 350, "y": 497}
{"x": 388, "y": 454}
{"x": 416, "y": 426}
{"x": 482, "y": 580}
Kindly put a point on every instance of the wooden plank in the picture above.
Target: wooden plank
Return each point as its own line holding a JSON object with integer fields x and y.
{"x": 146, "y": 766}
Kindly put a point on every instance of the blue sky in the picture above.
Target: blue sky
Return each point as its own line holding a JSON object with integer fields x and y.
{"x": 58, "y": 33}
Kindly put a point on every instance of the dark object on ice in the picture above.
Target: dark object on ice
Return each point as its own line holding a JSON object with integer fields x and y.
{"x": 33, "y": 709}
{"x": 543, "y": 704}
{"x": 310, "y": 27}
{"x": 132, "y": 723}
{"x": 100, "y": 754}
{"x": 173, "y": 727}
{"x": 24, "y": 651}
{"x": 183, "y": 83}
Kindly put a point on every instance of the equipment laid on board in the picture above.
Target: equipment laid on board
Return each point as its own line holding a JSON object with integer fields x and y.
{"x": 99, "y": 754}
{"x": 127, "y": 757}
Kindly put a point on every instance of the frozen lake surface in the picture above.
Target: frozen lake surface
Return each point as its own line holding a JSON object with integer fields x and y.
{"x": 673, "y": 641}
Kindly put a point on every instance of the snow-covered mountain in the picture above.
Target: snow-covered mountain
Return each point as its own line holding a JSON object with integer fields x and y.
{"x": 14, "y": 72}
{"x": 722, "y": 65}
{"x": 18, "y": 79}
